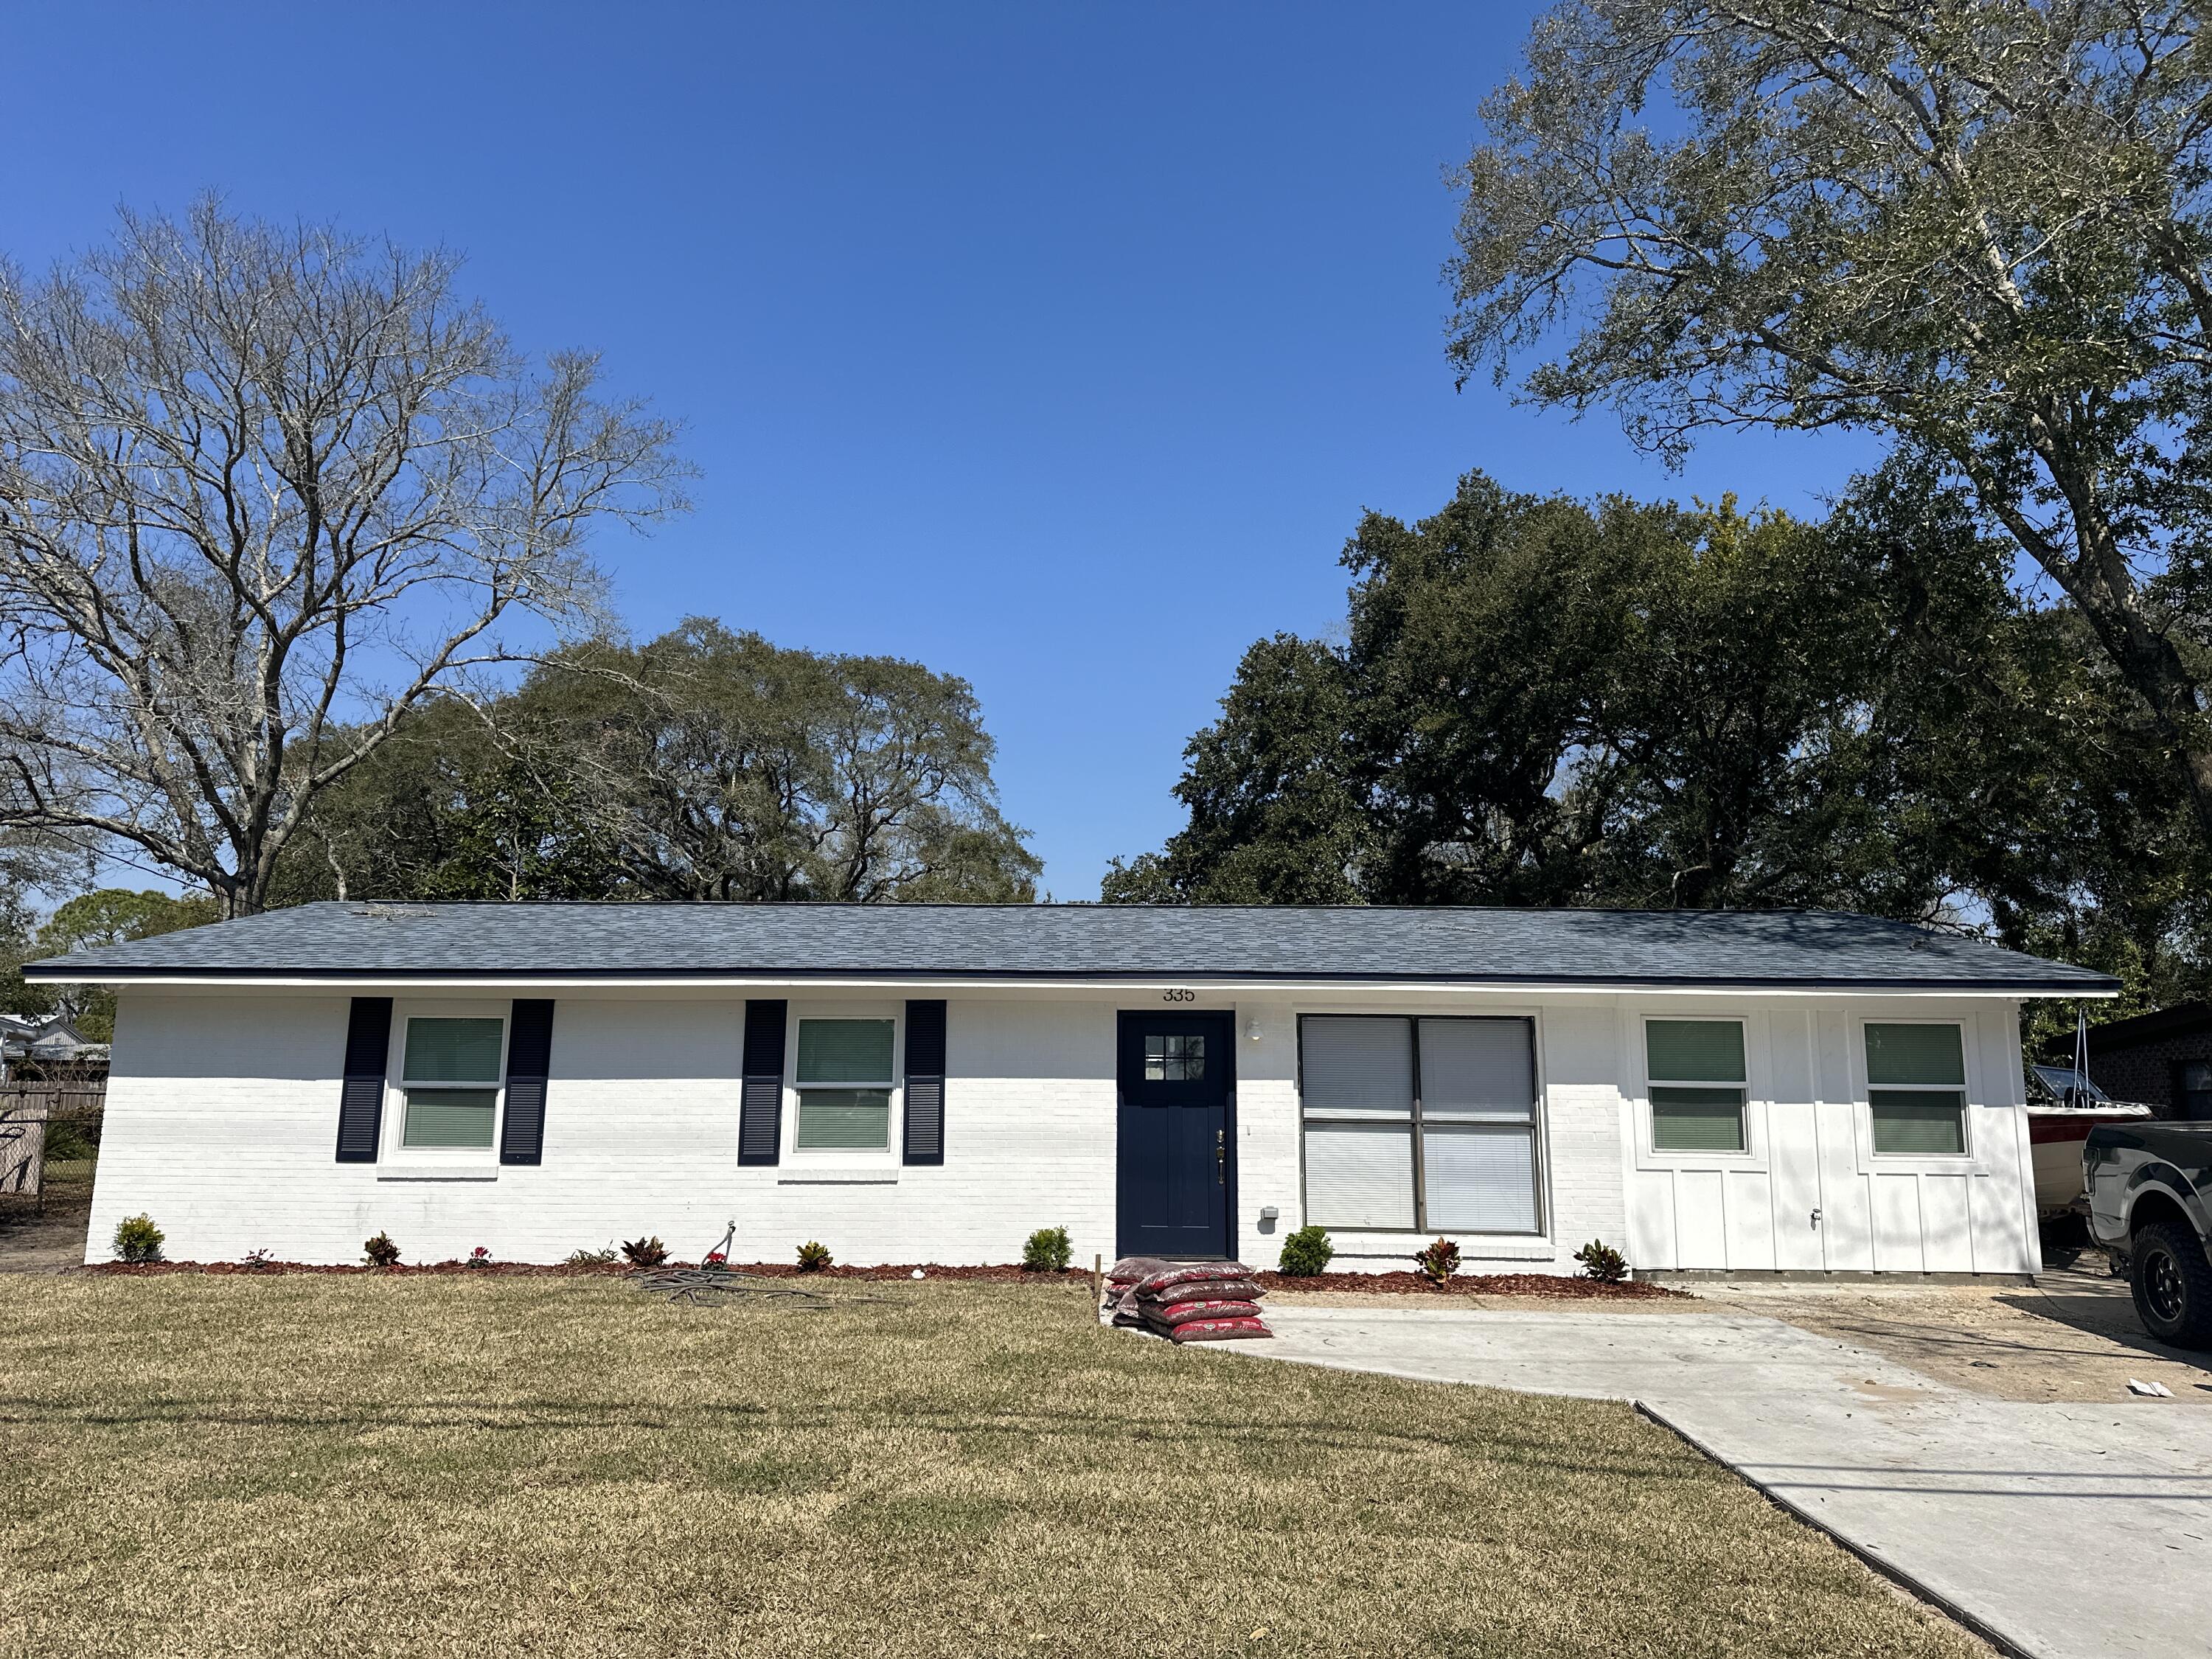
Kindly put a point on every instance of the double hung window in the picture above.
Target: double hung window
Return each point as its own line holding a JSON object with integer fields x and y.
{"x": 845, "y": 1077}
{"x": 450, "y": 1076}
{"x": 1413, "y": 1123}
{"x": 1698, "y": 1085}
{"x": 1917, "y": 1089}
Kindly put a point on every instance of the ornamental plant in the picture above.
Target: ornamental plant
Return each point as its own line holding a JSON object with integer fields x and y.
{"x": 138, "y": 1239}
{"x": 813, "y": 1256}
{"x": 1048, "y": 1251}
{"x": 1305, "y": 1253}
{"x": 479, "y": 1257}
{"x": 648, "y": 1252}
{"x": 1440, "y": 1261}
{"x": 382, "y": 1251}
{"x": 1603, "y": 1262}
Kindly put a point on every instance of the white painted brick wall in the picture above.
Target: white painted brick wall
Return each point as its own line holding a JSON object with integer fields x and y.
{"x": 222, "y": 1116}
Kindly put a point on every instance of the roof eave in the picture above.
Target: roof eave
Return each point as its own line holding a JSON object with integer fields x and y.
{"x": 58, "y": 972}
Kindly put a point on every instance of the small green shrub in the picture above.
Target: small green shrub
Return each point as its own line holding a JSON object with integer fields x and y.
{"x": 1306, "y": 1253}
{"x": 1048, "y": 1251}
{"x": 138, "y": 1240}
{"x": 648, "y": 1252}
{"x": 1603, "y": 1262}
{"x": 813, "y": 1257}
{"x": 258, "y": 1261}
{"x": 382, "y": 1251}
{"x": 591, "y": 1258}
{"x": 67, "y": 1143}
{"x": 1440, "y": 1261}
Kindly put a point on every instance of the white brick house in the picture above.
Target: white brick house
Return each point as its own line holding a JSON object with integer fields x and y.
{"x": 1814, "y": 1092}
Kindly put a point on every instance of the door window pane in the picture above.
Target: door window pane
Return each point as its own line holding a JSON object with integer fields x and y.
{"x": 844, "y": 1119}
{"x": 1175, "y": 1058}
{"x": 1361, "y": 1067}
{"x": 1478, "y": 1068}
{"x": 1930, "y": 1123}
{"x": 1694, "y": 1050}
{"x": 845, "y": 1051}
{"x": 449, "y": 1117}
{"x": 1915, "y": 1054}
{"x": 452, "y": 1051}
{"x": 1479, "y": 1178}
{"x": 1359, "y": 1174}
{"x": 1696, "y": 1120}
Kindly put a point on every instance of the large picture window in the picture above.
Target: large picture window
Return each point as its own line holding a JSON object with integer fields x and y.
{"x": 1419, "y": 1124}
{"x": 1917, "y": 1089}
{"x": 450, "y": 1073}
{"x": 1696, "y": 1071}
{"x": 845, "y": 1077}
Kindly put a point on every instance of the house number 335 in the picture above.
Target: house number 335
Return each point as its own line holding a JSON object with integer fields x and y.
{"x": 1178, "y": 996}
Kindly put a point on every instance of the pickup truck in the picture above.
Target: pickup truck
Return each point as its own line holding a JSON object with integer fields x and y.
{"x": 2148, "y": 1189}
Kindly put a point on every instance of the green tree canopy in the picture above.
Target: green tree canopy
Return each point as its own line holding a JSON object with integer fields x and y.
{"x": 1982, "y": 226}
{"x": 1538, "y": 701}
{"x": 703, "y": 764}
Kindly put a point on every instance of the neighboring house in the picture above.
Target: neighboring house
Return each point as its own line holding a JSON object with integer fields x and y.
{"x": 45, "y": 1040}
{"x": 2163, "y": 1059}
{"x": 918, "y": 1082}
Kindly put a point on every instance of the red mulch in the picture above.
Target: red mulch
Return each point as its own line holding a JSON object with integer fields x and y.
{"x": 1547, "y": 1285}
{"x": 1531, "y": 1285}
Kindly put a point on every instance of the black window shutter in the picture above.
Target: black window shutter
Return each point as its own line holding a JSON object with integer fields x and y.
{"x": 760, "y": 1097}
{"x": 360, "y": 1096}
{"x": 529, "y": 1059}
{"x": 924, "y": 1083}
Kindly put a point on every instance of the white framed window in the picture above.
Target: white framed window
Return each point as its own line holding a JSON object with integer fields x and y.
{"x": 1419, "y": 1124}
{"x": 844, "y": 1074}
{"x": 452, "y": 1068}
{"x": 1917, "y": 1088}
{"x": 1698, "y": 1085}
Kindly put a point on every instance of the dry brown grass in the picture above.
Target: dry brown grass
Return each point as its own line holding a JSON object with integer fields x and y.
{"x": 335, "y": 1467}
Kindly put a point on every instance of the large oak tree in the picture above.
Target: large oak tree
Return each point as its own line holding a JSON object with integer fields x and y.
{"x": 1983, "y": 226}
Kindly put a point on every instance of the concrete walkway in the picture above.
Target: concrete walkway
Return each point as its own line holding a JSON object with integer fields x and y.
{"x": 2064, "y": 1530}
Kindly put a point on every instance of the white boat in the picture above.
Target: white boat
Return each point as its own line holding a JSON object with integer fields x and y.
{"x": 2062, "y": 1106}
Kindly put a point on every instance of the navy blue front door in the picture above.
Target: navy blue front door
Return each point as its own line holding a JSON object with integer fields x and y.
{"x": 1176, "y": 1148}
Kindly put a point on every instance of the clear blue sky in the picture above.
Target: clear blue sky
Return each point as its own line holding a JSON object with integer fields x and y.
{"x": 1058, "y": 347}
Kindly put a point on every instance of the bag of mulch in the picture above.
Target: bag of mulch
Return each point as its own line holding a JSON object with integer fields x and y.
{"x": 1214, "y": 1330}
{"x": 1240, "y": 1290}
{"x": 1201, "y": 1273}
{"x": 1117, "y": 1304}
{"x": 1176, "y": 1313}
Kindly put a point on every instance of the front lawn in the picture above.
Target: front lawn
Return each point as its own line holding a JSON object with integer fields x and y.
{"x": 471, "y": 1465}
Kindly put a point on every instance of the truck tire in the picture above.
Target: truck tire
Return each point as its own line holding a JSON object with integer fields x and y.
{"x": 2172, "y": 1284}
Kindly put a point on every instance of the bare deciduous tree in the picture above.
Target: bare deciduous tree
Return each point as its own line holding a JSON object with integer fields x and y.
{"x": 262, "y": 491}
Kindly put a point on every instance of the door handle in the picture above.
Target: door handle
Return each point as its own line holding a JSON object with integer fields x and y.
{"x": 1220, "y": 1159}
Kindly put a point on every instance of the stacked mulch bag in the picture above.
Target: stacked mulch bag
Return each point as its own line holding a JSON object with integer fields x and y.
{"x": 1182, "y": 1301}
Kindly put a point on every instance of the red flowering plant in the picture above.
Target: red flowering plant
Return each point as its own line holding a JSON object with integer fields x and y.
{"x": 479, "y": 1257}
{"x": 717, "y": 1259}
{"x": 1440, "y": 1261}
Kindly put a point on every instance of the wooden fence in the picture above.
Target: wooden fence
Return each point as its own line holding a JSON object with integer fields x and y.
{"x": 47, "y": 1124}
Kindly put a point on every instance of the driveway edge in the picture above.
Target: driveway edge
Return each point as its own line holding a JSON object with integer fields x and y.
{"x": 1918, "y": 1589}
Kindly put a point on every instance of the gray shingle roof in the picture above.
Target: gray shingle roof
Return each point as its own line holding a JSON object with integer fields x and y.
{"x": 1807, "y": 950}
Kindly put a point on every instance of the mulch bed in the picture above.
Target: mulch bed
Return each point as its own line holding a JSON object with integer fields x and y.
{"x": 1544, "y": 1284}
{"x": 1525, "y": 1285}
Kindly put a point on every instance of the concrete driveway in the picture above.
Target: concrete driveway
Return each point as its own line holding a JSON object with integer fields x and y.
{"x": 2072, "y": 1528}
